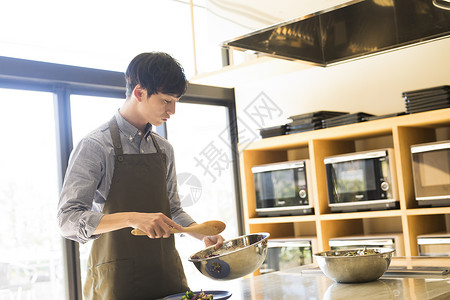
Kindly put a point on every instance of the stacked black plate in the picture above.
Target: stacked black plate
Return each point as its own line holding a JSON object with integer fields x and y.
{"x": 346, "y": 119}
{"x": 427, "y": 99}
{"x": 272, "y": 131}
{"x": 310, "y": 121}
{"x": 385, "y": 116}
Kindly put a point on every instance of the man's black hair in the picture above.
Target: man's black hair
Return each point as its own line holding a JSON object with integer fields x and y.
{"x": 157, "y": 72}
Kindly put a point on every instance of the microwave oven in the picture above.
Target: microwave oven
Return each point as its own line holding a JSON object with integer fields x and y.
{"x": 434, "y": 244}
{"x": 362, "y": 181}
{"x": 283, "y": 254}
{"x": 389, "y": 240}
{"x": 431, "y": 173}
{"x": 283, "y": 189}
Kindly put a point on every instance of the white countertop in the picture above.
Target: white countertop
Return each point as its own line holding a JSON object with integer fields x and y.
{"x": 308, "y": 282}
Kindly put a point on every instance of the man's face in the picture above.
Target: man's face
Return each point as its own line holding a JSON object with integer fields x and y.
{"x": 158, "y": 108}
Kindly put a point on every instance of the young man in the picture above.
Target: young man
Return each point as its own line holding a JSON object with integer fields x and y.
{"x": 122, "y": 176}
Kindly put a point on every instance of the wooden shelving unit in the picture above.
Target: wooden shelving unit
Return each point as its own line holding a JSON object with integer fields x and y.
{"x": 398, "y": 132}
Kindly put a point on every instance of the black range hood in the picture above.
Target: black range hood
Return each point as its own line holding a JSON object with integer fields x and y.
{"x": 349, "y": 31}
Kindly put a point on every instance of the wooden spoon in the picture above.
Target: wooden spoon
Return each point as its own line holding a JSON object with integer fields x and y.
{"x": 206, "y": 228}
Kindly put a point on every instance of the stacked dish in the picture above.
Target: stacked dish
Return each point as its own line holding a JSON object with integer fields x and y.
{"x": 311, "y": 121}
{"x": 427, "y": 99}
{"x": 346, "y": 119}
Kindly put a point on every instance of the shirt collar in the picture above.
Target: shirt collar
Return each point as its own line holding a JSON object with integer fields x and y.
{"x": 128, "y": 129}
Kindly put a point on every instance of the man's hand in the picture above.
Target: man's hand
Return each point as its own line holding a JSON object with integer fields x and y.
{"x": 216, "y": 240}
{"x": 156, "y": 225}
{"x": 209, "y": 240}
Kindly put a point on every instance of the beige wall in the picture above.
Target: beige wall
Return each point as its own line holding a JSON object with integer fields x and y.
{"x": 372, "y": 84}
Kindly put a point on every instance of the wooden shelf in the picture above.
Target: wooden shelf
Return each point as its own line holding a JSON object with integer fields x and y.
{"x": 428, "y": 211}
{"x": 362, "y": 215}
{"x": 398, "y": 133}
{"x": 290, "y": 219}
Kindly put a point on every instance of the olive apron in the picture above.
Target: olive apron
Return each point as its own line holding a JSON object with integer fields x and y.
{"x": 123, "y": 266}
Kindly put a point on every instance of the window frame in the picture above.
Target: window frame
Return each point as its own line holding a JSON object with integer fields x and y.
{"x": 64, "y": 81}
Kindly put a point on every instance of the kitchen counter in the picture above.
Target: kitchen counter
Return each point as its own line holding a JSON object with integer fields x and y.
{"x": 407, "y": 278}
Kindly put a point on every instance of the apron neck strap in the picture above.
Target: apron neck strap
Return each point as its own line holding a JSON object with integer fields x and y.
{"x": 152, "y": 136}
{"x": 114, "y": 129}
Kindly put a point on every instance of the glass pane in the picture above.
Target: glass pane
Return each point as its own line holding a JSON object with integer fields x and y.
{"x": 31, "y": 253}
{"x": 205, "y": 176}
{"x": 88, "y": 113}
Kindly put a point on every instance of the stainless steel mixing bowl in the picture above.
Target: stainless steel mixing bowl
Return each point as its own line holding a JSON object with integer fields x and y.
{"x": 236, "y": 258}
{"x": 350, "y": 269}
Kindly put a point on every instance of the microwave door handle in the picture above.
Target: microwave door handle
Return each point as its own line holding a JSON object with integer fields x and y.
{"x": 386, "y": 242}
{"x": 272, "y": 244}
{"x": 335, "y": 199}
{"x": 340, "y": 243}
{"x": 433, "y": 241}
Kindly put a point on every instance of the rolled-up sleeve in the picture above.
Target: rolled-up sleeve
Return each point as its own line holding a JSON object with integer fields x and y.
{"x": 77, "y": 219}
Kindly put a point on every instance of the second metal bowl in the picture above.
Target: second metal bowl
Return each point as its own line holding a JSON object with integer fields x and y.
{"x": 359, "y": 268}
{"x": 236, "y": 258}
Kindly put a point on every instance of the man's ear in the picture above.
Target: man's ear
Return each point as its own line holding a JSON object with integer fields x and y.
{"x": 139, "y": 93}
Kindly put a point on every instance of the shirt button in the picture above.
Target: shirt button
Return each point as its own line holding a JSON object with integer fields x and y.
{"x": 130, "y": 138}
{"x": 142, "y": 151}
{"x": 148, "y": 139}
{"x": 139, "y": 133}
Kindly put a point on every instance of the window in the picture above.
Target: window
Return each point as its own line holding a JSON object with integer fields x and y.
{"x": 31, "y": 254}
{"x": 200, "y": 135}
{"x": 89, "y": 112}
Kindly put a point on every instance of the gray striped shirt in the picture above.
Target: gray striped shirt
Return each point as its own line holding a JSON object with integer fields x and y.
{"x": 89, "y": 174}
